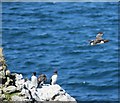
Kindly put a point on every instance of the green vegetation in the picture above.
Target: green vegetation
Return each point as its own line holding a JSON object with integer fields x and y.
{"x": 8, "y": 96}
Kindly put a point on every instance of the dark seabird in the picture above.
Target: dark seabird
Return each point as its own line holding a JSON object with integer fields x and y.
{"x": 98, "y": 40}
{"x": 41, "y": 79}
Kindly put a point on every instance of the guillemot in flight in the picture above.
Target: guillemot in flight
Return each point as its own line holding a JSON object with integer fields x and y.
{"x": 98, "y": 40}
{"x": 54, "y": 78}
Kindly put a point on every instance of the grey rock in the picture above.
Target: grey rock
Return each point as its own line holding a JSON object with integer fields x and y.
{"x": 2, "y": 96}
{"x": 54, "y": 93}
{"x": 9, "y": 89}
{"x": 19, "y": 98}
{"x": 7, "y": 83}
{"x": 1, "y": 68}
{"x": 2, "y": 74}
{"x": 7, "y": 72}
{"x": 1, "y": 91}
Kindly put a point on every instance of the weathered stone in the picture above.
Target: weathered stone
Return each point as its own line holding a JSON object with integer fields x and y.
{"x": 19, "y": 84}
{"x": 2, "y": 77}
{"x": 16, "y": 98}
{"x": 2, "y": 74}
{"x": 18, "y": 77}
{"x": 2, "y": 96}
{"x": 9, "y": 89}
{"x": 47, "y": 92}
{"x": 25, "y": 93}
{"x": 0, "y": 91}
{"x": 1, "y": 84}
{"x": 1, "y": 54}
{"x": 64, "y": 98}
{"x": 53, "y": 93}
{"x": 4, "y": 67}
{"x": 1, "y": 68}
{"x": 7, "y": 83}
{"x": 7, "y": 72}
{"x": 19, "y": 98}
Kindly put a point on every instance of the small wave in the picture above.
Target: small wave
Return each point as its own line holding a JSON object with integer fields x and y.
{"x": 42, "y": 36}
{"x": 74, "y": 84}
{"x": 19, "y": 33}
{"x": 13, "y": 8}
{"x": 70, "y": 11}
{"x": 11, "y": 13}
{"x": 29, "y": 63}
{"x": 76, "y": 52}
{"x": 101, "y": 74}
{"x": 102, "y": 87}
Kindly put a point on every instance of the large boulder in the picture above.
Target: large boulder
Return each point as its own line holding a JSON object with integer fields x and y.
{"x": 47, "y": 92}
{"x": 53, "y": 93}
{"x": 64, "y": 97}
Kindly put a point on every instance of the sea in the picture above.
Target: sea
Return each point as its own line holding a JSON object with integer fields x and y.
{"x": 43, "y": 37}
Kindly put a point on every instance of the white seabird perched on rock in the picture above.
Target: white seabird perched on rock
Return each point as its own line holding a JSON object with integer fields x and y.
{"x": 34, "y": 80}
{"x": 54, "y": 78}
{"x": 98, "y": 40}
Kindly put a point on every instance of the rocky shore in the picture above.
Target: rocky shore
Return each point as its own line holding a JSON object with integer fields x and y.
{"x": 12, "y": 88}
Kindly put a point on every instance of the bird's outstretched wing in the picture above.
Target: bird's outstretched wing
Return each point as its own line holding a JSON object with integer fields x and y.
{"x": 99, "y": 36}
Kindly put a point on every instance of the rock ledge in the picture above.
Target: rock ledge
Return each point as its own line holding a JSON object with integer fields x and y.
{"x": 12, "y": 88}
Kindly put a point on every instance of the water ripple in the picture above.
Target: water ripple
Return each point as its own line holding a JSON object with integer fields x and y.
{"x": 46, "y": 36}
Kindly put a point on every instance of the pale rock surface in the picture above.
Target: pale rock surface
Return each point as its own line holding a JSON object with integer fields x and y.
{"x": 9, "y": 89}
{"x": 0, "y": 91}
{"x": 1, "y": 54}
{"x": 19, "y": 98}
{"x": 64, "y": 97}
{"x": 25, "y": 92}
{"x": 1, "y": 68}
{"x": 48, "y": 93}
{"x": 2, "y": 96}
{"x": 18, "y": 77}
{"x": 8, "y": 81}
{"x": 2, "y": 74}
{"x": 19, "y": 81}
{"x": 53, "y": 93}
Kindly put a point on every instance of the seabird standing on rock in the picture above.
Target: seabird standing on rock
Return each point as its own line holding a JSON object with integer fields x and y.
{"x": 41, "y": 79}
{"x": 54, "y": 78}
{"x": 34, "y": 80}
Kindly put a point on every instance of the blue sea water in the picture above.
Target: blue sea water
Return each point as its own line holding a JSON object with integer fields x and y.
{"x": 46, "y": 36}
